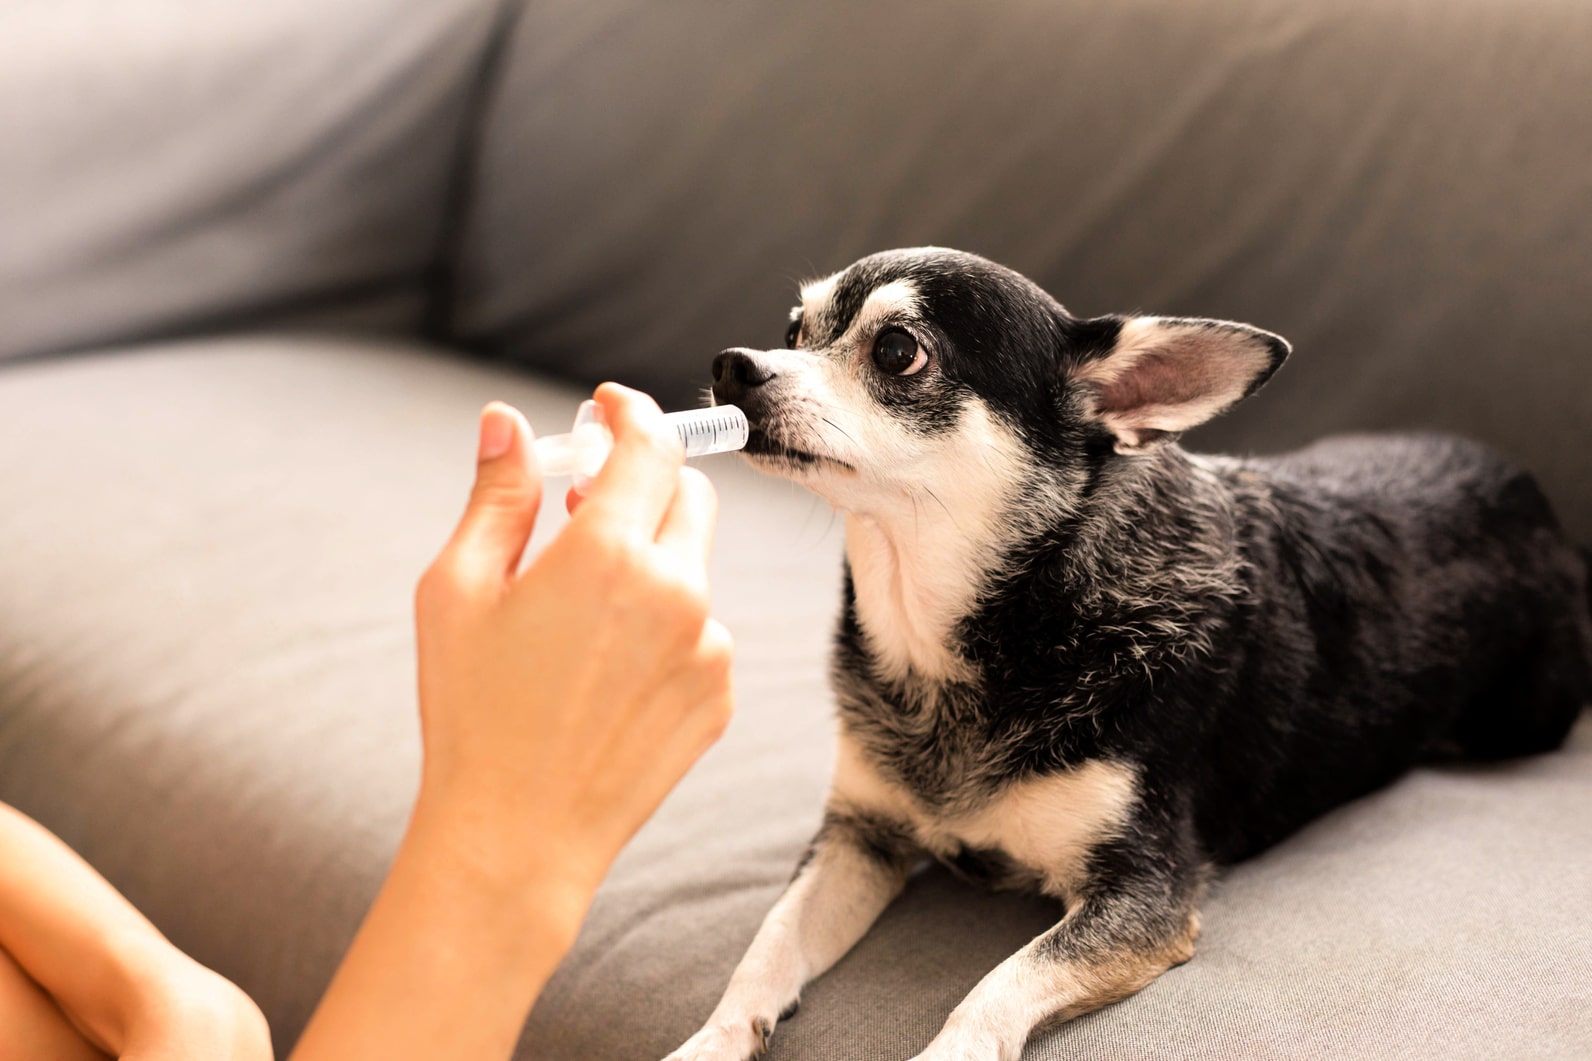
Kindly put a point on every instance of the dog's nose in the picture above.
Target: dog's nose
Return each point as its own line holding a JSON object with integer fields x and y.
{"x": 738, "y": 369}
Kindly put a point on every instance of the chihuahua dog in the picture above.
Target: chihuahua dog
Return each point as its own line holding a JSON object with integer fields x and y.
{"x": 1073, "y": 657}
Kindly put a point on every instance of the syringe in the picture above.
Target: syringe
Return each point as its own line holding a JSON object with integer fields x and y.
{"x": 581, "y": 453}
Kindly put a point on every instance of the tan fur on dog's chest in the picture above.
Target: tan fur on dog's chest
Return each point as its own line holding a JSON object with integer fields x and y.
{"x": 1046, "y": 824}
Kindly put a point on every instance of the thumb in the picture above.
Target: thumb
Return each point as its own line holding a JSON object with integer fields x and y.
{"x": 497, "y": 522}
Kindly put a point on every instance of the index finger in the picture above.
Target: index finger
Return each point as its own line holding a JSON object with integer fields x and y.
{"x": 637, "y": 483}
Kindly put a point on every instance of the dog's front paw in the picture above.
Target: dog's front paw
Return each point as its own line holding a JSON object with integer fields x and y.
{"x": 726, "y": 1042}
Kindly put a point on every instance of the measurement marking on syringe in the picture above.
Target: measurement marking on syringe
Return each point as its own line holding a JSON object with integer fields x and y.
{"x": 712, "y": 430}
{"x": 583, "y": 449}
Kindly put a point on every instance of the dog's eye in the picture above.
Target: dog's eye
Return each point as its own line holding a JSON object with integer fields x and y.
{"x": 793, "y": 334}
{"x": 896, "y": 353}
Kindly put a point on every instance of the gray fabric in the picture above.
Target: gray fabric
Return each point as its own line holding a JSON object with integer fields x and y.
{"x": 167, "y": 164}
{"x": 207, "y": 550}
{"x": 206, "y": 559}
{"x": 1399, "y": 186}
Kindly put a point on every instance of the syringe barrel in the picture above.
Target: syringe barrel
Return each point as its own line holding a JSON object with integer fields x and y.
{"x": 719, "y": 429}
{"x": 583, "y": 450}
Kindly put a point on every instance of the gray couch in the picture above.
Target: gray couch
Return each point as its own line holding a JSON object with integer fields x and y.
{"x": 260, "y": 264}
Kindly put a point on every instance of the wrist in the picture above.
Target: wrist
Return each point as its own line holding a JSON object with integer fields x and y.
{"x": 162, "y": 1002}
{"x": 534, "y": 876}
{"x": 473, "y": 918}
{"x": 189, "y": 1010}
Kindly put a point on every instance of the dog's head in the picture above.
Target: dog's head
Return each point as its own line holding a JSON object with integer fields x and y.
{"x": 931, "y": 370}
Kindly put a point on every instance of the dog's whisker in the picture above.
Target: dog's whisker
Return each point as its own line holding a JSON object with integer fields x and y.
{"x": 842, "y": 430}
{"x": 930, "y": 491}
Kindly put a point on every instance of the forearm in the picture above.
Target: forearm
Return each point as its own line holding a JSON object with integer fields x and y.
{"x": 73, "y": 933}
{"x": 32, "y": 1025}
{"x": 122, "y": 984}
{"x": 463, "y": 935}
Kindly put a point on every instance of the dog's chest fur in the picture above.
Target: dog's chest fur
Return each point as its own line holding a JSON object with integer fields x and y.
{"x": 995, "y": 761}
{"x": 970, "y": 772}
{"x": 1034, "y": 833}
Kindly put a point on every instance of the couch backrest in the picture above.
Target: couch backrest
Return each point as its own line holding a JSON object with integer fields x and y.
{"x": 167, "y": 166}
{"x": 1402, "y": 187}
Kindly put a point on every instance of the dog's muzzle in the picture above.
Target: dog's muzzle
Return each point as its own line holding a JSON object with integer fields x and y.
{"x": 737, "y": 374}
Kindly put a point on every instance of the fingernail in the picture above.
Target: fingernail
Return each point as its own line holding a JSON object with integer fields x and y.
{"x": 497, "y": 433}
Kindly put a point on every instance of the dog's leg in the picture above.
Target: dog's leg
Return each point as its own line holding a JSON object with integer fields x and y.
{"x": 855, "y": 867}
{"x": 1108, "y": 947}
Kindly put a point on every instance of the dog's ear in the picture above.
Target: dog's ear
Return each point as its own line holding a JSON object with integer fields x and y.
{"x": 1151, "y": 378}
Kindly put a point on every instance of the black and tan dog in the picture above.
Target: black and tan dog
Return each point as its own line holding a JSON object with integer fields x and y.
{"x": 1073, "y": 657}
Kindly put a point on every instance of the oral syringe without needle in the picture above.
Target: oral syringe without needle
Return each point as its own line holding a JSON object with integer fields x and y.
{"x": 581, "y": 452}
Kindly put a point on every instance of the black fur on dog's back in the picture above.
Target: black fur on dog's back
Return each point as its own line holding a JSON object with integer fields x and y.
{"x": 1383, "y": 556}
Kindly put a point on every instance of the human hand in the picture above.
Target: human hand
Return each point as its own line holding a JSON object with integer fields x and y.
{"x": 560, "y": 704}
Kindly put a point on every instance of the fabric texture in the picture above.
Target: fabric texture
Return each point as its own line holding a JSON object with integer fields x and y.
{"x": 171, "y": 167}
{"x": 206, "y": 564}
{"x": 208, "y": 548}
{"x": 1397, "y": 186}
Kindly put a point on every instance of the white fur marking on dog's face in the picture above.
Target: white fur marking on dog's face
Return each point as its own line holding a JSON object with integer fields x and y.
{"x": 887, "y": 303}
{"x": 824, "y": 405}
{"x": 931, "y": 511}
{"x": 895, "y": 300}
{"x": 816, "y": 294}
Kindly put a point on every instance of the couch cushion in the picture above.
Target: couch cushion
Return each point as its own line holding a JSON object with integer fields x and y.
{"x": 169, "y": 164}
{"x": 206, "y": 561}
{"x": 207, "y": 556}
{"x": 1399, "y": 187}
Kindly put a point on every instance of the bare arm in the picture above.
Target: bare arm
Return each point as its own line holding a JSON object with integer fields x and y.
{"x": 78, "y": 958}
{"x": 559, "y": 704}
{"x": 450, "y": 956}
{"x": 542, "y": 758}
{"x": 34, "y": 1025}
